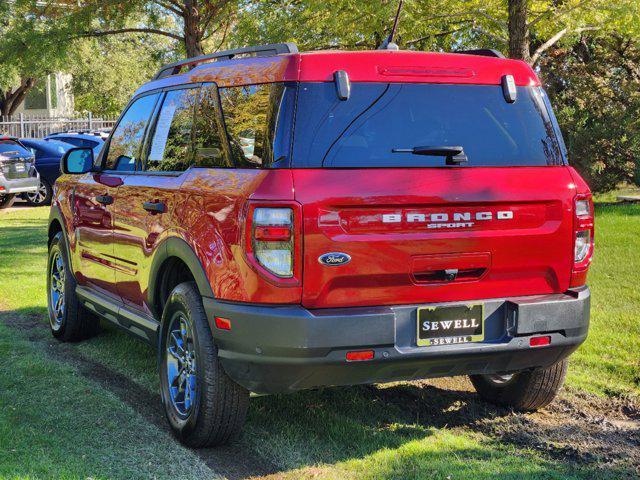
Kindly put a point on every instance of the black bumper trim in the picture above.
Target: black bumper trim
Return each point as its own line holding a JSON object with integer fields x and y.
{"x": 273, "y": 349}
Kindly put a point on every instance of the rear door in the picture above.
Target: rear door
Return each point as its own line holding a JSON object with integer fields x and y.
{"x": 417, "y": 227}
{"x": 184, "y": 135}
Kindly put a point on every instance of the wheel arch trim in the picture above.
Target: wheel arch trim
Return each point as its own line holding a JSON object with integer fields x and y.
{"x": 55, "y": 215}
{"x": 178, "y": 248}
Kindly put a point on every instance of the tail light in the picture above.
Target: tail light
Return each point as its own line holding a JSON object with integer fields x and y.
{"x": 273, "y": 241}
{"x": 583, "y": 242}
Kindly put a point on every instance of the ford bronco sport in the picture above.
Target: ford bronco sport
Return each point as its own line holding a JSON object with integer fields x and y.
{"x": 275, "y": 221}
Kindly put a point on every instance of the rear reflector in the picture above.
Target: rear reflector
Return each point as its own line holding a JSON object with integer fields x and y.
{"x": 223, "y": 323}
{"x": 360, "y": 356}
{"x": 539, "y": 341}
{"x": 272, "y": 234}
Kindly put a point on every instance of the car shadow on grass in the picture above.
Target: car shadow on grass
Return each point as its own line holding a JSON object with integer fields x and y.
{"x": 333, "y": 425}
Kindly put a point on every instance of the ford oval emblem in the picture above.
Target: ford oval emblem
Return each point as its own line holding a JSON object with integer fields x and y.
{"x": 333, "y": 259}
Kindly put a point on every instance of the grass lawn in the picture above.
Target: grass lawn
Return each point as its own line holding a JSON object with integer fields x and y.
{"x": 57, "y": 421}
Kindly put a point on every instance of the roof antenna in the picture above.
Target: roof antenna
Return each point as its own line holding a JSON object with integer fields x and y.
{"x": 388, "y": 43}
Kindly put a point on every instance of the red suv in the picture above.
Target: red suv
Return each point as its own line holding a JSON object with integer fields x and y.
{"x": 276, "y": 221}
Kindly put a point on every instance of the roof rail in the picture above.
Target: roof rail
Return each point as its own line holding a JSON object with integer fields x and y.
{"x": 484, "y": 52}
{"x": 259, "y": 51}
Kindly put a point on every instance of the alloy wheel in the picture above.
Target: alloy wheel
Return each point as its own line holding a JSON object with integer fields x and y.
{"x": 56, "y": 293}
{"x": 39, "y": 195}
{"x": 181, "y": 365}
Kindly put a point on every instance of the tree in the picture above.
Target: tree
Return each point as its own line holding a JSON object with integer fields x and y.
{"x": 595, "y": 87}
{"x": 25, "y": 55}
{"x": 192, "y": 23}
{"x": 104, "y": 87}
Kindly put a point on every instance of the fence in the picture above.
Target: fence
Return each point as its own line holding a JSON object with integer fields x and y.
{"x": 34, "y": 126}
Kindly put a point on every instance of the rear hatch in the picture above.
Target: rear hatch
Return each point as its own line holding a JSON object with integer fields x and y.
{"x": 15, "y": 160}
{"x": 419, "y": 227}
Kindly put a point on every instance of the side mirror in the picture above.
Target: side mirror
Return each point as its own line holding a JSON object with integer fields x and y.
{"x": 77, "y": 161}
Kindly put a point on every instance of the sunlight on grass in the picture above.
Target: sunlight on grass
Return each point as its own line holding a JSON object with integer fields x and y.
{"x": 446, "y": 455}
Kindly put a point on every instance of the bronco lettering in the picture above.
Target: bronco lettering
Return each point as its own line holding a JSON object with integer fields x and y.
{"x": 462, "y": 218}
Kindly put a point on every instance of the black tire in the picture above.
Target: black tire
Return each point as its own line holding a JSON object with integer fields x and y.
{"x": 525, "y": 391}
{"x": 6, "y": 200}
{"x": 219, "y": 406}
{"x": 42, "y": 196}
{"x": 73, "y": 322}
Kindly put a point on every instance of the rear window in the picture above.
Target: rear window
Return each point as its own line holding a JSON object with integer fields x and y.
{"x": 79, "y": 142}
{"x": 10, "y": 148}
{"x": 378, "y": 118}
{"x": 54, "y": 147}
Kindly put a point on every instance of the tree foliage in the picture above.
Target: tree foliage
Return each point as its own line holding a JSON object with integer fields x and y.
{"x": 595, "y": 88}
{"x": 107, "y": 70}
{"x": 27, "y": 52}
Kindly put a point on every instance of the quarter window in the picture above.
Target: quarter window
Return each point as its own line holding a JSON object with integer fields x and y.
{"x": 252, "y": 119}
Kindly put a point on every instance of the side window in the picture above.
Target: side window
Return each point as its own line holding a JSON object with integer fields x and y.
{"x": 250, "y": 115}
{"x": 208, "y": 143}
{"x": 126, "y": 140}
{"x": 172, "y": 144}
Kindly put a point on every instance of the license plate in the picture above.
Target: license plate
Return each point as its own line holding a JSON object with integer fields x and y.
{"x": 450, "y": 325}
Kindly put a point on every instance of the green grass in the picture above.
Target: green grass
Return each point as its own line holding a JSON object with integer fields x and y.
{"x": 608, "y": 363}
{"x": 58, "y": 423}
{"x": 53, "y": 422}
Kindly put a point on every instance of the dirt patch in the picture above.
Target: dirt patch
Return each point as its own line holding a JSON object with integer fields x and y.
{"x": 579, "y": 428}
{"x": 235, "y": 462}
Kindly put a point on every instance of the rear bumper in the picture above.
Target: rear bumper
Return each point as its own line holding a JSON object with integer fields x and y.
{"x": 19, "y": 185}
{"x": 273, "y": 349}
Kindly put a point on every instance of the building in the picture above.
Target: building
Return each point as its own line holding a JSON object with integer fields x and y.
{"x": 51, "y": 97}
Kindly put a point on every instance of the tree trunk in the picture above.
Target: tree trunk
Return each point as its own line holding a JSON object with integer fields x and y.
{"x": 519, "y": 39}
{"x": 193, "y": 33}
{"x": 11, "y": 99}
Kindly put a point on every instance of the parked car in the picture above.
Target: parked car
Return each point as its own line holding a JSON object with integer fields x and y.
{"x": 17, "y": 171}
{"x": 300, "y": 220}
{"x": 47, "y": 161}
{"x": 90, "y": 139}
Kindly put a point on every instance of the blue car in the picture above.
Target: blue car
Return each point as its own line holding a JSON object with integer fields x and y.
{"x": 93, "y": 140}
{"x": 48, "y": 154}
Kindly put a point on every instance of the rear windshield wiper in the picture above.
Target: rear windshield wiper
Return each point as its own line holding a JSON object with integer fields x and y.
{"x": 455, "y": 154}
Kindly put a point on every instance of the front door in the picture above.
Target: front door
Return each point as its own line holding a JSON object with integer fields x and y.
{"x": 93, "y": 198}
{"x": 97, "y": 196}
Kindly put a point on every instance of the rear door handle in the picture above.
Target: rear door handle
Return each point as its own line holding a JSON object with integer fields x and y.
{"x": 104, "y": 199}
{"x": 154, "y": 207}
